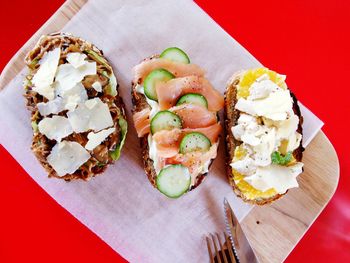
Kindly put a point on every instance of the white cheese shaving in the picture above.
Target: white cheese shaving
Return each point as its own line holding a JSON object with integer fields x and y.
{"x": 250, "y": 139}
{"x": 248, "y": 130}
{"x": 279, "y": 105}
{"x": 238, "y": 131}
{"x": 55, "y": 128}
{"x": 280, "y": 178}
{"x": 262, "y": 89}
{"x": 90, "y": 104}
{"x": 66, "y": 157}
{"x": 263, "y": 151}
{"x": 293, "y": 142}
{"x": 245, "y": 166}
{"x": 97, "y": 86}
{"x": 287, "y": 127}
{"x": 46, "y": 91}
{"x": 51, "y": 107}
{"x": 91, "y": 115}
{"x": 246, "y": 119}
{"x": 74, "y": 96}
{"x": 45, "y": 75}
{"x": 89, "y": 68}
{"x": 68, "y": 76}
{"x": 76, "y": 59}
{"x": 95, "y": 139}
{"x": 66, "y": 100}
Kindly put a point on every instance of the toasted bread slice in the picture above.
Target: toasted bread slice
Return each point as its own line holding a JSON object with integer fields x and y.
{"x": 140, "y": 103}
{"x": 101, "y": 156}
{"x": 231, "y": 116}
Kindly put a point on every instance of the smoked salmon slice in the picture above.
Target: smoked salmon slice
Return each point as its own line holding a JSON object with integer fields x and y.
{"x": 194, "y": 161}
{"x": 212, "y": 132}
{"x": 194, "y": 116}
{"x": 142, "y": 122}
{"x": 168, "y": 142}
{"x": 178, "y": 69}
{"x": 169, "y": 92}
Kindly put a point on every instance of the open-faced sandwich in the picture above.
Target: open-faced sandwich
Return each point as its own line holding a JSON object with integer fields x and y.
{"x": 77, "y": 115}
{"x": 175, "y": 115}
{"x": 263, "y": 136}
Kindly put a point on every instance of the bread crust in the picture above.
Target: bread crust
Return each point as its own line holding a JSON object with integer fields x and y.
{"x": 139, "y": 103}
{"x": 231, "y": 116}
{"x": 46, "y": 43}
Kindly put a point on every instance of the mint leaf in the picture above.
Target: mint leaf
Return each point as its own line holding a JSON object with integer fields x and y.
{"x": 278, "y": 158}
{"x": 287, "y": 158}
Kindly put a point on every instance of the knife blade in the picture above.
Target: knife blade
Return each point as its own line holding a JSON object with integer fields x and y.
{"x": 239, "y": 241}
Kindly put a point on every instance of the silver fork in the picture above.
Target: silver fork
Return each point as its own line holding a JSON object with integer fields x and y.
{"x": 220, "y": 255}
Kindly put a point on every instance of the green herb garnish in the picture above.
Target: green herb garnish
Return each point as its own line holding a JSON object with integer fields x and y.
{"x": 124, "y": 128}
{"x": 105, "y": 73}
{"x": 99, "y": 164}
{"x": 278, "y": 158}
{"x": 98, "y": 58}
{"x": 35, "y": 126}
{"x": 33, "y": 63}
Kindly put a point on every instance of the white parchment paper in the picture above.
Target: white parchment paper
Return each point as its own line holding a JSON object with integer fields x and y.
{"x": 121, "y": 206}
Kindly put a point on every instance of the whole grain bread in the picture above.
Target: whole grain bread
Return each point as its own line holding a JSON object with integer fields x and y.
{"x": 41, "y": 145}
{"x": 231, "y": 116}
{"x": 139, "y": 102}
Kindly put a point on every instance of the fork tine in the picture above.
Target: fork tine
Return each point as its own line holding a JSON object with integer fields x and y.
{"x": 209, "y": 250}
{"x": 221, "y": 248}
{"x": 216, "y": 249}
{"x": 229, "y": 247}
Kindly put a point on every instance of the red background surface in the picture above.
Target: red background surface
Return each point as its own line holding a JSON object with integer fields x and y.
{"x": 307, "y": 40}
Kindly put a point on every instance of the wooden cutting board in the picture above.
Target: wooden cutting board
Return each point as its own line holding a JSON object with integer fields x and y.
{"x": 273, "y": 230}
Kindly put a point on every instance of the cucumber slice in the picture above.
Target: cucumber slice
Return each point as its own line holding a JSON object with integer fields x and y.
{"x": 165, "y": 120}
{"x": 175, "y": 54}
{"x": 151, "y": 80}
{"x": 194, "y": 141}
{"x": 193, "y": 98}
{"x": 174, "y": 180}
